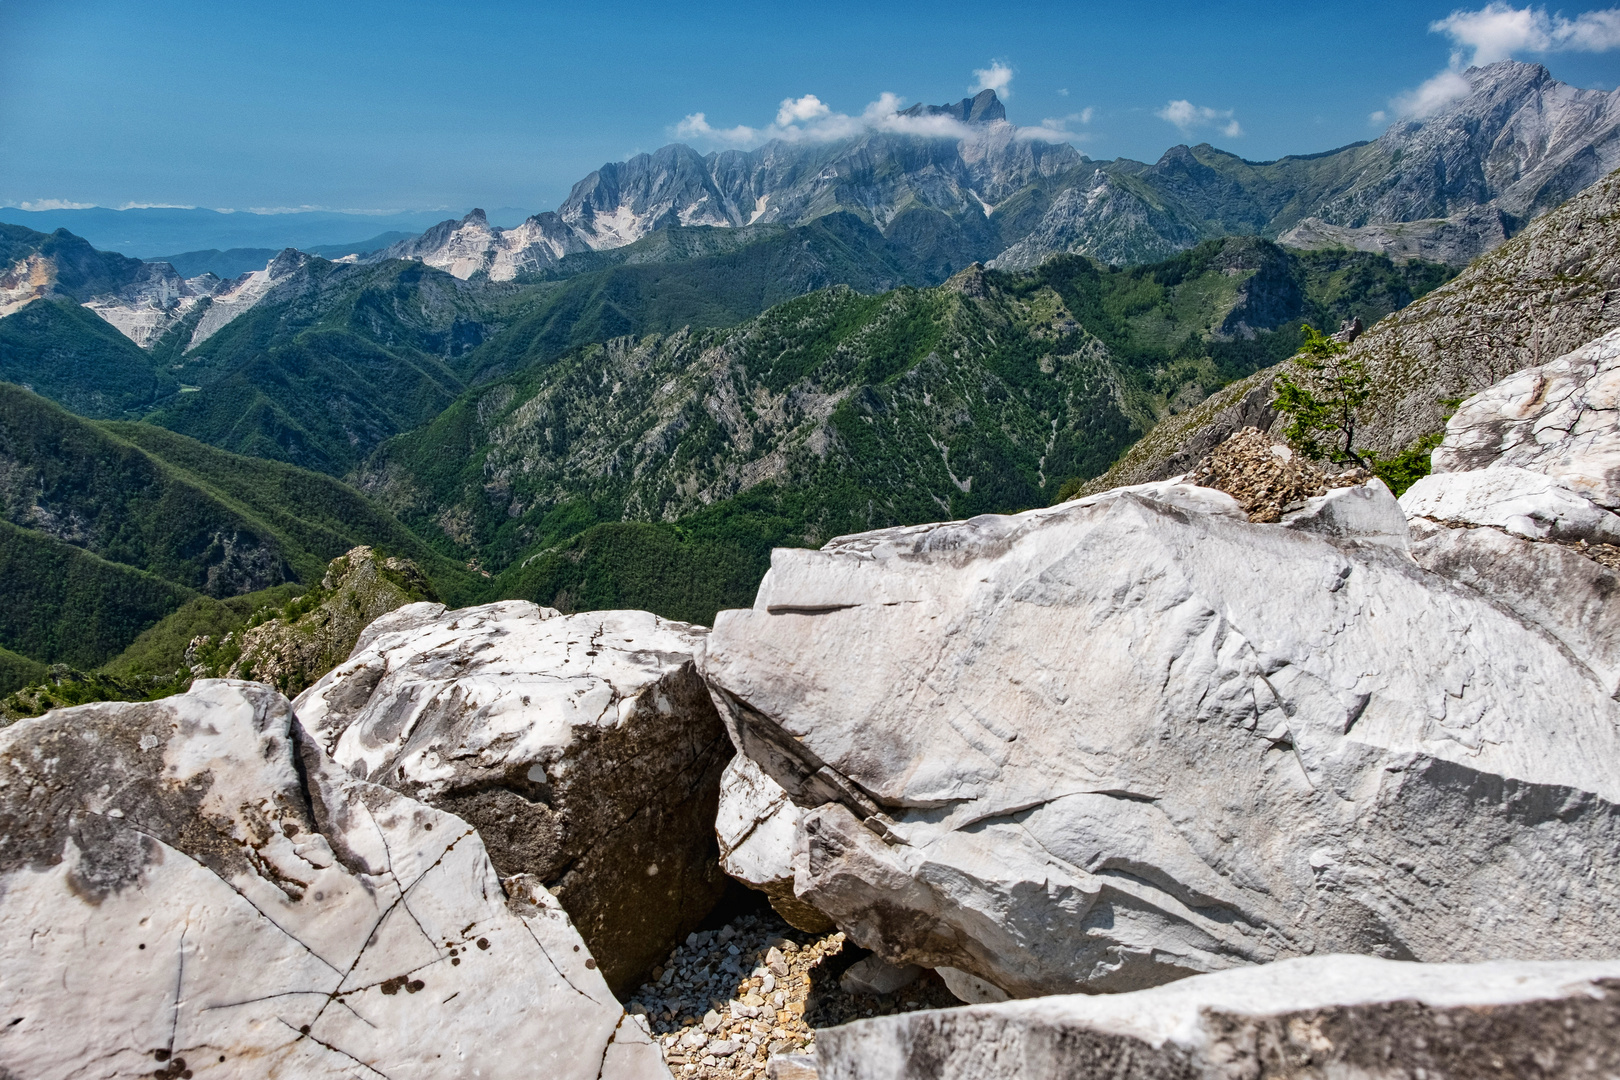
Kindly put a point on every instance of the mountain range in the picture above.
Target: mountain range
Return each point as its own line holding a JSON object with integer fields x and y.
{"x": 1447, "y": 188}
{"x": 631, "y": 400}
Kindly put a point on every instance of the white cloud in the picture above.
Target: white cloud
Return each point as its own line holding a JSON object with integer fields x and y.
{"x": 1086, "y": 114}
{"x": 1377, "y": 117}
{"x": 1435, "y": 94}
{"x": 1056, "y": 128}
{"x": 1189, "y": 117}
{"x": 806, "y": 108}
{"x": 809, "y": 119}
{"x": 1063, "y": 93}
{"x": 1499, "y": 31}
{"x": 54, "y": 204}
{"x": 998, "y": 77}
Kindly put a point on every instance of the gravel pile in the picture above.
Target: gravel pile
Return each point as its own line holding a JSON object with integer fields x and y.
{"x": 1267, "y": 479}
{"x": 729, "y": 999}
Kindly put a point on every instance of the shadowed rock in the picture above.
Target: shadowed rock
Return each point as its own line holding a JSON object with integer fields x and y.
{"x": 583, "y": 748}
{"x": 190, "y": 886}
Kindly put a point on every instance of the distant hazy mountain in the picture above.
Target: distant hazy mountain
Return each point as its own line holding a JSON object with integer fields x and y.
{"x": 150, "y": 233}
{"x": 1446, "y": 188}
{"x": 235, "y": 262}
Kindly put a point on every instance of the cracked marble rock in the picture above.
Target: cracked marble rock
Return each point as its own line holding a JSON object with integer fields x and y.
{"x": 756, "y": 824}
{"x": 584, "y": 748}
{"x": 1306, "y": 1019}
{"x": 1536, "y": 454}
{"x": 188, "y": 887}
{"x": 1134, "y": 737}
{"x": 1536, "y": 457}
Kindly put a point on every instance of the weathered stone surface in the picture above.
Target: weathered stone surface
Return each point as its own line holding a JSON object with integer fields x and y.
{"x": 1318, "y": 1018}
{"x": 1528, "y": 504}
{"x": 188, "y": 886}
{"x": 756, "y": 825}
{"x": 1133, "y": 737}
{"x": 1536, "y": 457}
{"x": 970, "y": 988}
{"x": 1571, "y": 596}
{"x": 1560, "y": 420}
{"x": 583, "y": 748}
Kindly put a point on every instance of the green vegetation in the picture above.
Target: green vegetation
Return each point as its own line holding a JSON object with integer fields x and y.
{"x": 61, "y": 687}
{"x": 1409, "y": 466}
{"x": 576, "y": 477}
{"x": 65, "y": 605}
{"x": 71, "y": 355}
{"x": 17, "y": 670}
{"x": 115, "y": 529}
{"x": 157, "y": 657}
{"x": 1324, "y": 398}
{"x": 638, "y": 428}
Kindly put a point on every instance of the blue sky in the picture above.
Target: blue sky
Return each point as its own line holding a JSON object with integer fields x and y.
{"x": 409, "y": 105}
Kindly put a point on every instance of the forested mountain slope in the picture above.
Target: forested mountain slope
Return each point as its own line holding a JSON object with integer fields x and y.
{"x": 849, "y": 412}
{"x": 1549, "y": 290}
{"x": 105, "y": 529}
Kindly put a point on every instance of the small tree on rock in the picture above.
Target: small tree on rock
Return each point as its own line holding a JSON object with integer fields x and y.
{"x": 1323, "y": 399}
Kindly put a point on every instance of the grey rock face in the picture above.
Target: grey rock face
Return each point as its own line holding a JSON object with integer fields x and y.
{"x": 876, "y": 976}
{"x": 583, "y": 748}
{"x": 1308, "y": 1019}
{"x": 1546, "y": 292}
{"x": 1134, "y": 737}
{"x": 472, "y": 246}
{"x": 189, "y": 885}
{"x": 1535, "y": 457}
{"x": 1560, "y": 419}
{"x": 1457, "y": 240}
{"x": 1521, "y": 141}
{"x": 756, "y": 824}
{"x": 1104, "y": 219}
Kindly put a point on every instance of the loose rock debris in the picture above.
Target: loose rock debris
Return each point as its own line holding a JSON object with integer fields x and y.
{"x": 728, "y": 1000}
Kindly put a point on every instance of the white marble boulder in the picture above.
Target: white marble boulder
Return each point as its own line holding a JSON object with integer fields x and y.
{"x": 1135, "y": 737}
{"x": 188, "y": 888}
{"x": 756, "y": 825}
{"x": 1319, "y": 1018}
{"x": 1523, "y": 500}
{"x": 584, "y": 748}
{"x": 1537, "y": 454}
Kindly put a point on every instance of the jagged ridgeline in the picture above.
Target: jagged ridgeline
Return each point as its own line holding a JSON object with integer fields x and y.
{"x": 110, "y": 527}
{"x": 658, "y": 471}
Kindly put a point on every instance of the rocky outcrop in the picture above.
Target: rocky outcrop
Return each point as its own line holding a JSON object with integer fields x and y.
{"x": 583, "y": 748}
{"x": 1308, "y": 1019}
{"x": 1456, "y": 241}
{"x": 190, "y": 886}
{"x": 1548, "y": 291}
{"x": 1134, "y": 737}
{"x": 1521, "y": 503}
{"x": 474, "y": 246}
{"x": 319, "y": 629}
{"x": 236, "y": 298}
{"x": 756, "y": 824}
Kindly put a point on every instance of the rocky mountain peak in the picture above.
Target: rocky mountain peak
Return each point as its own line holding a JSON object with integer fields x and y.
{"x": 983, "y": 108}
